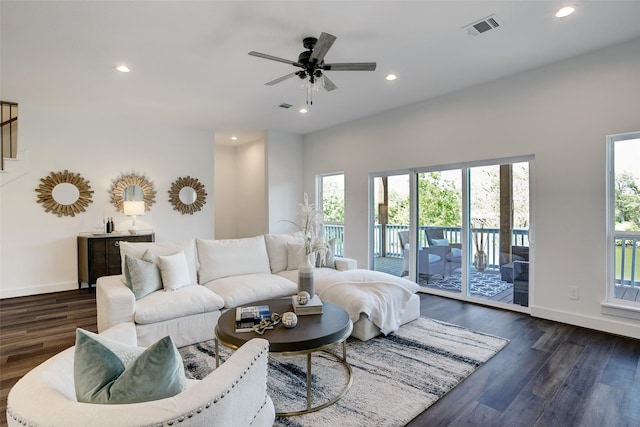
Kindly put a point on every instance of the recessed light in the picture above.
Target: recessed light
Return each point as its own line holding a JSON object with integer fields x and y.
{"x": 303, "y": 110}
{"x": 123, "y": 68}
{"x": 390, "y": 77}
{"x": 234, "y": 138}
{"x": 565, "y": 11}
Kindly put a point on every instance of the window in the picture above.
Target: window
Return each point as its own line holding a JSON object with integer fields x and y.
{"x": 331, "y": 201}
{"x": 623, "y": 218}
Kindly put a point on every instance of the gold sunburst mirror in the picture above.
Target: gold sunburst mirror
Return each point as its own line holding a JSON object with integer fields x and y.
{"x": 132, "y": 187}
{"x": 64, "y": 193}
{"x": 187, "y": 195}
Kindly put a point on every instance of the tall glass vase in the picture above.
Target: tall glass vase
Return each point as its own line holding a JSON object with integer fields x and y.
{"x": 305, "y": 276}
{"x": 480, "y": 261}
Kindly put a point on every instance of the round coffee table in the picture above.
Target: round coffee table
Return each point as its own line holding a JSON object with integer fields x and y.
{"x": 316, "y": 332}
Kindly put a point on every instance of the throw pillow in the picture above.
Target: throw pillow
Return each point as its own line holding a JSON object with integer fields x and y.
{"x": 329, "y": 258}
{"x": 174, "y": 271}
{"x": 110, "y": 372}
{"x": 295, "y": 255}
{"x": 143, "y": 276}
{"x": 439, "y": 242}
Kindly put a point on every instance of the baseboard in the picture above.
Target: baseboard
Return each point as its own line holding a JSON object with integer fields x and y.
{"x": 36, "y": 290}
{"x": 612, "y": 326}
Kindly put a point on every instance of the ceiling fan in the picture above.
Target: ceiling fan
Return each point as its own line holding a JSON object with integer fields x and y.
{"x": 311, "y": 62}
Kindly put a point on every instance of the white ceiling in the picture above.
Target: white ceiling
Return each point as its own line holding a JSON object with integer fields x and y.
{"x": 190, "y": 65}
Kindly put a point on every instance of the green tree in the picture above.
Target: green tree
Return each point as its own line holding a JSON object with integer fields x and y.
{"x": 627, "y": 201}
{"x": 333, "y": 199}
{"x": 439, "y": 201}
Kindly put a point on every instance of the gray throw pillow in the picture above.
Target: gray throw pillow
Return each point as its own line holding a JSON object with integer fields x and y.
{"x": 329, "y": 258}
{"x": 110, "y": 372}
{"x": 143, "y": 276}
{"x": 440, "y": 242}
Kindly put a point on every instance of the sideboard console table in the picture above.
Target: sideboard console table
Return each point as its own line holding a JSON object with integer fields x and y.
{"x": 100, "y": 255}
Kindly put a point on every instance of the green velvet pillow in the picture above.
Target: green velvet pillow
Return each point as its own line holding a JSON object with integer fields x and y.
{"x": 106, "y": 371}
{"x": 143, "y": 276}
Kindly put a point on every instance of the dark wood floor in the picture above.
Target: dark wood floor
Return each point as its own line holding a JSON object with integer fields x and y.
{"x": 550, "y": 374}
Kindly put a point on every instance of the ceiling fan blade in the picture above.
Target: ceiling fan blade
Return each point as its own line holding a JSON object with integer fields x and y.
{"x": 328, "y": 84}
{"x": 350, "y": 66}
{"x": 324, "y": 43}
{"x": 274, "y": 58}
{"x": 280, "y": 79}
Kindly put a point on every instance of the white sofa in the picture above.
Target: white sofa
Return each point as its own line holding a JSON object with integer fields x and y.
{"x": 227, "y": 273}
{"x": 232, "y": 395}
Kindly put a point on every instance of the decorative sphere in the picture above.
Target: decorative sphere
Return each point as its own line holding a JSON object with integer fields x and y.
{"x": 289, "y": 319}
{"x": 303, "y": 297}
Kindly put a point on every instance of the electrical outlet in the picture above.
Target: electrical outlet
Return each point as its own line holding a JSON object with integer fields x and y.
{"x": 574, "y": 292}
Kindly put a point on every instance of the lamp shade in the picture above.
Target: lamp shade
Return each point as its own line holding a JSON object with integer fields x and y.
{"x": 133, "y": 207}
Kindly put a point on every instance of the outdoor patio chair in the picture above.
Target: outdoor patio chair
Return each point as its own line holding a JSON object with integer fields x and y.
{"x": 453, "y": 252}
{"x": 518, "y": 253}
{"x": 431, "y": 261}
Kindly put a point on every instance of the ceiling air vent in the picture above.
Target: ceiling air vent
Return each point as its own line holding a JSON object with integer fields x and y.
{"x": 285, "y": 105}
{"x": 482, "y": 26}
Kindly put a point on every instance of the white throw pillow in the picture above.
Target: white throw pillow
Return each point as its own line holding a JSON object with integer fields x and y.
{"x": 174, "y": 271}
{"x": 137, "y": 250}
{"x": 277, "y": 249}
{"x": 295, "y": 255}
{"x": 231, "y": 257}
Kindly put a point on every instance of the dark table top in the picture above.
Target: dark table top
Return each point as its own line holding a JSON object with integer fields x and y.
{"x": 311, "y": 333}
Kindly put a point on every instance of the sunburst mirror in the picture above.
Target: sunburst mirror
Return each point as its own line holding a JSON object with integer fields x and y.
{"x": 187, "y": 195}
{"x": 132, "y": 187}
{"x": 64, "y": 193}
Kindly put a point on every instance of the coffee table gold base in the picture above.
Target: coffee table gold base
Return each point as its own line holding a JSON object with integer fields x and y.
{"x": 342, "y": 393}
{"x": 342, "y": 359}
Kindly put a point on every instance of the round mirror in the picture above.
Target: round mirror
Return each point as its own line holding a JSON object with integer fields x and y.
{"x": 132, "y": 187}
{"x": 187, "y": 195}
{"x": 64, "y": 193}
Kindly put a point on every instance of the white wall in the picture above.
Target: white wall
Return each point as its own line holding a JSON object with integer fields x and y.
{"x": 251, "y": 195}
{"x": 561, "y": 114}
{"x": 225, "y": 192}
{"x": 284, "y": 166}
{"x": 39, "y": 252}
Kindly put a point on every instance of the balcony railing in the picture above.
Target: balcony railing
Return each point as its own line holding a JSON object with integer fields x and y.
{"x": 627, "y": 259}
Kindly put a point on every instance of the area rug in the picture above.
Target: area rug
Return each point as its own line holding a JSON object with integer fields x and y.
{"x": 395, "y": 377}
{"x": 482, "y": 284}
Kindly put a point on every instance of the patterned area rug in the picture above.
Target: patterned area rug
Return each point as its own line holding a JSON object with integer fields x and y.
{"x": 395, "y": 377}
{"x": 482, "y": 284}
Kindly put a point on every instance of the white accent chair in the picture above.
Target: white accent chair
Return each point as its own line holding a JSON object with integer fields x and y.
{"x": 235, "y": 394}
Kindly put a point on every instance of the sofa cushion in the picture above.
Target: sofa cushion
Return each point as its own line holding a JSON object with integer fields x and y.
{"x": 295, "y": 255}
{"x": 231, "y": 257}
{"x": 174, "y": 271}
{"x": 238, "y": 290}
{"x": 143, "y": 276}
{"x": 185, "y": 301}
{"x": 277, "y": 249}
{"x": 137, "y": 250}
{"x": 108, "y": 371}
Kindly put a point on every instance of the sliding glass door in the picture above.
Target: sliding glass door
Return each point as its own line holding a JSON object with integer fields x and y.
{"x": 462, "y": 232}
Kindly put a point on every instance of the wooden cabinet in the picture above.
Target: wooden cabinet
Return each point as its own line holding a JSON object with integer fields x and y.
{"x": 100, "y": 256}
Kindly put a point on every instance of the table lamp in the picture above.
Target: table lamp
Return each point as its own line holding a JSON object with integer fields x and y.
{"x": 133, "y": 208}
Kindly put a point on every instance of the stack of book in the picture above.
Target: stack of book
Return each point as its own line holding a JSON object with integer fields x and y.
{"x": 314, "y": 306}
{"x": 248, "y": 317}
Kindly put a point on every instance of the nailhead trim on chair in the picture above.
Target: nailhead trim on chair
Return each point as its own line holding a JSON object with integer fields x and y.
{"x": 181, "y": 418}
{"x": 216, "y": 399}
